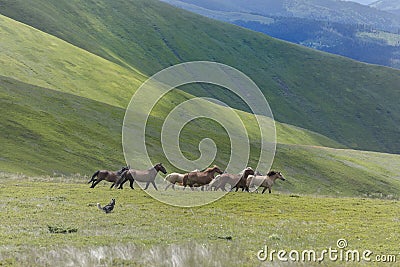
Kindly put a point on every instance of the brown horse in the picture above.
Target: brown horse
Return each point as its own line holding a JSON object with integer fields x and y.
{"x": 108, "y": 176}
{"x": 200, "y": 178}
{"x": 264, "y": 181}
{"x": 227, "y": 178}
{"x": 147, "y": 176}
{"x": 175, "y": 178}
{"x": 242, "y": 180}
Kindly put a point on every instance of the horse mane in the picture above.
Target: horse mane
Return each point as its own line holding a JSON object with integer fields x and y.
{"x": 271, "y": 173}
{"x": 210, "y": 169}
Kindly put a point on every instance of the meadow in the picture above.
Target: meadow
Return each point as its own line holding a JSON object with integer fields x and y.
{"x": 54, "y": 221}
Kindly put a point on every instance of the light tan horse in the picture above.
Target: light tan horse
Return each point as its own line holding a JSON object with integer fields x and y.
{"x": 147, "y": 176}
{"x": 175, "y": 178}
{"x": 227, "y": 178}
{"x": 264, "y": 181}
{"x": 108, "y": 176}
{"x": 200, "y": 178}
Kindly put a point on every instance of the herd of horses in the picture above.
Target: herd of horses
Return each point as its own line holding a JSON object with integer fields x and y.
{"x": 205, "y": 179}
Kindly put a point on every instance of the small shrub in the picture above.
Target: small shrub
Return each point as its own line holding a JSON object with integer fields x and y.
{"x": 61, "y": 230}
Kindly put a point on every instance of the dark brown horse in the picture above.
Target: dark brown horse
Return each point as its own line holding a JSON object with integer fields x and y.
{"x": 108, "y": 176}
{"x": 147, "y": 176}
{"x": 243, "y": 179}
{"x": 200, "y": 178}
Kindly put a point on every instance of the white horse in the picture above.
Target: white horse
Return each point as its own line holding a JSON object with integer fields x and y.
{"x": 264, "y": 181}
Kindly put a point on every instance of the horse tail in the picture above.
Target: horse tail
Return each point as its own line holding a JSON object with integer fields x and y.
{"x": 93, "y": 176}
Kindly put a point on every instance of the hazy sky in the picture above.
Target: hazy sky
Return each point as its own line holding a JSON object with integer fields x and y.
{"x": 365, "y": 2}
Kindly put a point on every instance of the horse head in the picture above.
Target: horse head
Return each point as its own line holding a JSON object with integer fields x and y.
{"x": 160, "y": 167}
{"x": 123, "y": 169}
{"x": 276, "y": 175}
{"x": 216, "y": 169}
{"x": 248, "y": 171}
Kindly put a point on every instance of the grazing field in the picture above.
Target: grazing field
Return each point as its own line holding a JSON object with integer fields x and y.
{"x": 55, "y": 222}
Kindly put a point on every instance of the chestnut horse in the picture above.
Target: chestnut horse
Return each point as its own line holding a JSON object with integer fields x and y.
{"x": 108, "y": 176}
{"x": 175, "y": 178}
{"x": 147, "y": 176}
{"x": 264, "y": 181}
{"x": 200, "y": 178}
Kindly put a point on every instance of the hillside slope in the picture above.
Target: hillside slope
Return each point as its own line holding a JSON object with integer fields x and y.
{"x": 54, "y": 131}
{"x": 362, "y": 42}
{"x": 392, "y": 6}
{"x": 352, "y": 103}
{"x": 65, "y": 104}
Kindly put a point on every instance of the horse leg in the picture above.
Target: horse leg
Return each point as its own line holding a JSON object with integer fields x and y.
{"x": 95, "y": 183}
{"x": 168, "y": 185}
{"x": 269, "y": 190}
{"x": 154, "y": 184}
{"x": 263, "y": 190}
{"x": 147, "y": 185}
{"x": 131, "y": 181}
{"x": 112, "y": 185}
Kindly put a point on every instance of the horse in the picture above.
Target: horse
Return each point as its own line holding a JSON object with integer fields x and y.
{"x": 200, "y": 178}
{"x": 242, "y": 180}
{"x": 227, "y": 178}
{"x": 147, "y": 176}
{"x": 264, "y": 181}
{"x": 109, "y": 176}
{"x": 175, "y": 178}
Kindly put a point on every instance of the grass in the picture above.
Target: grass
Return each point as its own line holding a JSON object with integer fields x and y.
{"x": 349, "y": 102}
{"x": 143, "y": 231}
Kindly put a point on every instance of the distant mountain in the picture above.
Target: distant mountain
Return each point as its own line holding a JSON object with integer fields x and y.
{"x": 326, "y": 10}
{"x": 341, "y": 34}
{"x": 392, "y": 6}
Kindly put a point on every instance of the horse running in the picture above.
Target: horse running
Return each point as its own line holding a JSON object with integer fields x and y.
{"x": 264, "y": 181}
{"x": 175, "y": 178}
{"x": 200, "y": 178}
{"x": 108, "y": 176}
{"x": 227, "y": 178}
{"x": 242, "y": 180}
{"x": 147, "y": 176}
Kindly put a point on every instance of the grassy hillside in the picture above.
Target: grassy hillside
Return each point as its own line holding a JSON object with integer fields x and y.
{"x": 351, "y": 103}
{"x": 61, "y": 104}
{"x": 61, "y": 130}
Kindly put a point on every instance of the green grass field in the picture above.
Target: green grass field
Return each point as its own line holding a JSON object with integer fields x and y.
{"x": 142, "y": 231}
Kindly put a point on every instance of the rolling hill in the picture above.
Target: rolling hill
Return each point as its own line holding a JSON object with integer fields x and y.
{"x": 352, "y": 103}
{"x": 365, "y": 42}
{"x": 63, "y": 105}
{"x": 391, "y": 6}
